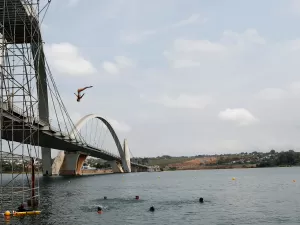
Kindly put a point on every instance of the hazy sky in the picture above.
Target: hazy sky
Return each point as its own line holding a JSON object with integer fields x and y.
{"x": 182, "y": 77}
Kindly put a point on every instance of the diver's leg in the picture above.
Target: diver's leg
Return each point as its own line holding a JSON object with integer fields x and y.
{"x": 82, "y": 89}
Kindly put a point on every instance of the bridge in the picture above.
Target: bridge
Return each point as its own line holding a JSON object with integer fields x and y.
{"x": 28, "y": 91}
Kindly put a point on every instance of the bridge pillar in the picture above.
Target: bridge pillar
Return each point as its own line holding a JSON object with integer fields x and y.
{"x": 134, "y": 169}
{"x": 72, "y": 164}
{"x": 116, "y": 166}
{"x": 41, "y": 79}
{"x": 126, "y": 159}
{"x": 57, "y": 163}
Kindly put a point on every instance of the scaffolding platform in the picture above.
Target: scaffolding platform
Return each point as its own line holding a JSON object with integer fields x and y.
{"x": 18, "y": 22}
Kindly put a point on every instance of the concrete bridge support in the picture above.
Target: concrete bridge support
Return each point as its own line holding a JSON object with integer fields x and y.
{"x": 134, "y": 169}
{"x": 41, "y": 79}
{"x": 126, "y": 161}
{"x": 116, "y": 167}
{"x": 138, "y": 169}
{"x": 72, "y": 163}
{"x": 58, "y": 161}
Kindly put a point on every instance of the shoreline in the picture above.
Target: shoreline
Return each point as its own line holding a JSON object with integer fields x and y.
{"x": 220, "y": 167}
{"x": 211, "y": 167}
{"x": 215, "y": 167}
{"x": 95, "y": 172}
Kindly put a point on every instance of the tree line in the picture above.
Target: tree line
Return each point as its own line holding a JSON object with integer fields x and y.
{"x": 288, "y": 158}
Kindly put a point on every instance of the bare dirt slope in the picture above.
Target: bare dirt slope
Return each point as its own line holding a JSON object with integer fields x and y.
{"x": 194, "y": 163}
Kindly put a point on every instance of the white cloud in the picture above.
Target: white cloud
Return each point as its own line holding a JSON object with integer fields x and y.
{"x": 291, "y": 91}
{"x": 192, "y": 19}
{"x": 136, "y": 36}
{"x": 185, "y": 63}
{"x": 294, "y": 88}
{"x": 121, "y": 62}
{"x": 65, "y": 58}
{"x": 124, "y": 62}
{"x": 239, "y": 115}
{"x": 247, "y": 37}
{"x": 73, "y": 2}
{"x": 119, "y": 126}
{"x": 293, "y": 7}
{"x": 110, "y": 67}
{"x": 228, "y": 50}
{"x": 185, "y": 101}
{"x": 133, "y": 37}
{"x": 273, "y": 94}
{"x": 181, "y": 45}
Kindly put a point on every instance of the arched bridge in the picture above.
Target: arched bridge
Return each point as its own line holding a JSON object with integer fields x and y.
{"x": 76, "y": 149}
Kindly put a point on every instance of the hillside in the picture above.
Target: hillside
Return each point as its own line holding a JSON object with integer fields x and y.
{"x": 224, "y": 161}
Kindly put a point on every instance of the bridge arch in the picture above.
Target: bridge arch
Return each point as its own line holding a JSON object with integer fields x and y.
{"x": 86, "y": 118}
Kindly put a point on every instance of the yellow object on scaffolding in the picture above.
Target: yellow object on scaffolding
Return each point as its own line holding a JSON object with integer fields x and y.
{"x": 27, "y": 213}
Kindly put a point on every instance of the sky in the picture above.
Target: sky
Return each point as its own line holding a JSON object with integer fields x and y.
{"x": 182, "y": 77}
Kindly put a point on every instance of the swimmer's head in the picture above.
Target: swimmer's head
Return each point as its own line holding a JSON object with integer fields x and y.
{"x": 152, "y": 209}
{"x": 201, "y": 200}
{"x": 137, "y": 197}
{"x": 105, "y": 197}
{"x": 99, "y": 208}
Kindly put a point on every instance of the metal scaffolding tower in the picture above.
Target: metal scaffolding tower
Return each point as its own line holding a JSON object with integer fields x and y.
{"x": 23, "y": 91}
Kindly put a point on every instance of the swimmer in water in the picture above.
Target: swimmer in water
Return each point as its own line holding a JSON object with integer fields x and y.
{"x": 152, "y": 209}
{"x": 105, "y": 197}
{"x": 99, "y": 210}
{"x": 201, "y": 200}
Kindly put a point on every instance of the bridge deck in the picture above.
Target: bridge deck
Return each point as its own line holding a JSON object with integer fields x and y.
{"x": 17, "y": 126}
{"x": 18, "y": 24}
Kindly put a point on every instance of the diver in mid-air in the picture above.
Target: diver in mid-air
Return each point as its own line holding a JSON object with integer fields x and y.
{"x": 79, "y": 91}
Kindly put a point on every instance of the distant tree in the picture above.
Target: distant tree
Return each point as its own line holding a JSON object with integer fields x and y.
{"x": 99, "y": 166}
{"x": 272, "y": 151}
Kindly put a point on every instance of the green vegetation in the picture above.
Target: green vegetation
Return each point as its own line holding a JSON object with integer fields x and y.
{"x": 97, "y": 163}
{"x": 269, "y": 159}
{"x": 17, "y": 166}
{"x": 289, "y": 158}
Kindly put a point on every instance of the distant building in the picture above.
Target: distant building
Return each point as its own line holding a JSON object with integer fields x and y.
{"x": 154, "y": 169}
{"x": 87, "y": 167}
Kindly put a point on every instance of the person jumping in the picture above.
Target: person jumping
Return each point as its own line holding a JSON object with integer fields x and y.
{"x": 79, "y": 91}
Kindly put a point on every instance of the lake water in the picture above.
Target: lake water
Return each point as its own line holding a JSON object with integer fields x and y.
{"x": 256, "y": 196}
